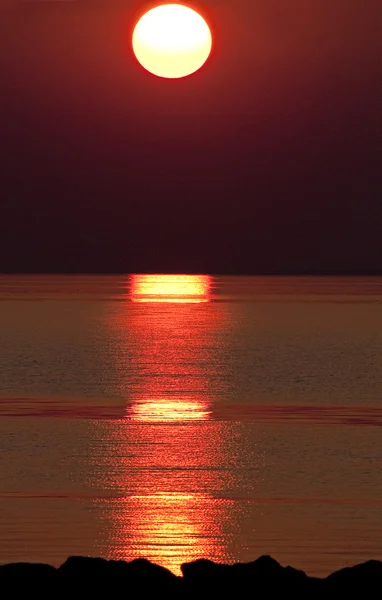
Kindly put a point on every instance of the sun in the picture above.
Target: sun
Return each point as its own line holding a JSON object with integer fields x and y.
{"x": 172, "y": 41}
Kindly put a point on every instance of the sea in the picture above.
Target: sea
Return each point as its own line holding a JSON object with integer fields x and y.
{"x": 177, "y": 417}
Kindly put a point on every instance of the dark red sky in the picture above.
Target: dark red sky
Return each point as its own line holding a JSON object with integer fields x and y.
{"x": 267, "y": 160}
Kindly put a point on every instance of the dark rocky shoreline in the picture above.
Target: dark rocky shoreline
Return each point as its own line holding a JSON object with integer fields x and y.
{"x": 264, "y": 575}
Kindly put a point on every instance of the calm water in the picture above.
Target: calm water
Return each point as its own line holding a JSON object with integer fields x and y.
{"x": 177, "y": 418}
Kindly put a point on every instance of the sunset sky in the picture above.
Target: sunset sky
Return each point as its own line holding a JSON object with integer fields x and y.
{"x": 266, "y": 160}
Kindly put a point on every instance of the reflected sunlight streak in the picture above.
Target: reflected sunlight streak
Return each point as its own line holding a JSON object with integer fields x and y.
{"x": 168, "y": 410}
{"x": 169, "y": 288}
{"x": 165, "y": 475}
{"x": 168, "y": 528}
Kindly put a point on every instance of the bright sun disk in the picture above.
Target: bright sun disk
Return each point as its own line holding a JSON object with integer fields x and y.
{"x": 172, "y": 41}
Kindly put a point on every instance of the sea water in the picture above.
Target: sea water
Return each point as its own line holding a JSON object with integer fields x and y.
{"x": 181, "y": 417}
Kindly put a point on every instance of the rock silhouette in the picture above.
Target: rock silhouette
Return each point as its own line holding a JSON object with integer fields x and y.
{"x": 264, "y": 567}
{"x": 357, "y": 578}
{"x": 265, "y": 572}
{"x": 26, "y": 570}
{"x": 95, "y": 568}
{"x": 262, "y": 575}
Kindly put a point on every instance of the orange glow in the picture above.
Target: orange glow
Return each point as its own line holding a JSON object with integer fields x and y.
{"x": 172, "y": 41}
{"x": 169, "y": 288}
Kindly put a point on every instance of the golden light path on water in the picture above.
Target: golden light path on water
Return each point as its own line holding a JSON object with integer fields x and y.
{"x": 169, "y": 410}
{"x": 165, "y": 509}
{"x": 170, "y": 288}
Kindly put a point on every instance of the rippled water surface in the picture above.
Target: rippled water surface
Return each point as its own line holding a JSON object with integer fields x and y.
{"x": 192, "y": 416}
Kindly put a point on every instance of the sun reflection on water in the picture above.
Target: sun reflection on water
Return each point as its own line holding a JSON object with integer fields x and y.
{"x": 169, "y": 288}
{"x": 169, "y": 528}
{"x": 168, "y": 410}
{"x": 163, "y": 466}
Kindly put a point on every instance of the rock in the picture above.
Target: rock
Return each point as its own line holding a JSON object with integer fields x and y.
{"x": 262, "y": 577}
{"x": 265, "y": 572}
{"x": 23, "y": 569}
{"x": 362, "y": 577}
{"x": 140, "y": 571}
{"x": 267, "y": 568}
{"x": 202, "y": 570}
